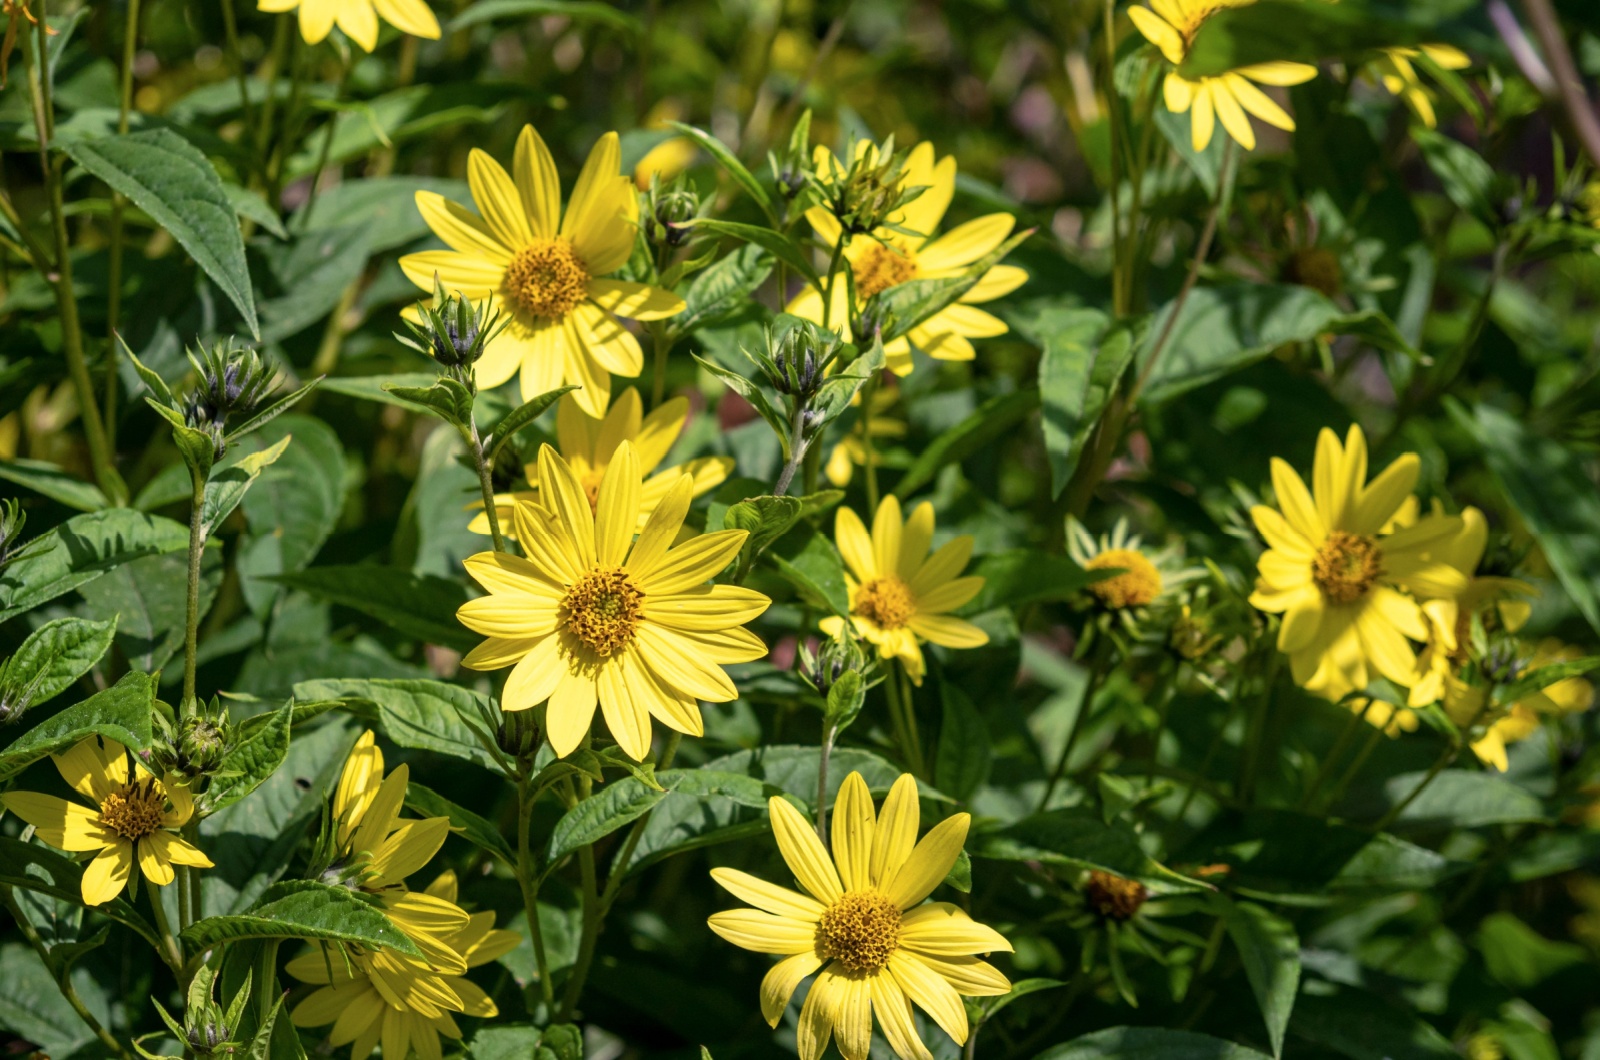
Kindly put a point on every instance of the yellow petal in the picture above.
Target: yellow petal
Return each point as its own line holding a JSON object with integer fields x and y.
{"x": 935, "y": 996}
{"x": 359, "y": 22}
{"x": 599, "y": 220}
{"x": 779, "y": 901}
{"x": 949, "y": 560}
{"x": 692, "y": 563}
{"x": 465, "y": 274}
{"x": 896, "y": 833}
{"x": 966, "y": 243}
{"x": 570, "y": 712}
{"x": 893, "y": 1009}
{"x": 780, "y": 982}
{"x": 803, "y": 852}
{"x": 538, "y": 185}
{"x": 855, "y": 544}
{"x": 942, "y": 929}
{"x": 1279, "y": 74}
{"x": 852, "y": 1026}
{"x": 1232, "y": 115}
{"x": 952, "y": 594}
{"x": 409, "y": 16}
{"x": 967, "y": 975}
{"x": 409, "y": 847}
{"x": 107, "y": 874}
{"x": 947, "y": 631}
{"x": 461, "y": 229}
{"x": 752, "y": 929}
{"x": 706, "y": 607}
{"x": 674, "y": 660}
{"x": 180, "y": 851}
{"x": 564, "y": 497}
{"x": 854, "y": 823}
{"x": 626, "y": 716}
{"x": 929, "y": 862}
{"x": 92, "y": 770}
{"x": 1159, "y": 32}
{"x": 817, "y": 1015}
{"x": 1202, "y": 117}
{"x": 64, "y": 825}
{"x": 996, "y": 283}
{"x": 661, "y": 529}
{"x": 617, "y": 508}
{"x": 637, "y": 301}
{"x": 1258, "y": 102}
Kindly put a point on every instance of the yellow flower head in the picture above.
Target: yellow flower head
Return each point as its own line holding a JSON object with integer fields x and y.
{"x": 899, "y": 594}
{"x": 589, "y": 442}
{"x": 382, "y": 998}
{"x": 1466, "y": 705}
{"x": 1146, "y": 574}
{"x": 1395, "y": 71}
{"x": 358, "y": 18}
{"x": 135, "y": 818}
{"x": 591, "y": 616}
{"x": 1339, "y": 580}
{"x": 545, "y": 268}
{"x": 862, "y": 923}
{"x": 886, "y": 258}
{"x": 1171, "y": 26}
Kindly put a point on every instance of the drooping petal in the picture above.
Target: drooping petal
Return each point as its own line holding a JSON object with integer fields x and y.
{"x": 1158, "y": 31}
{"x": 931, "y": 993}
{"x": 570, "y": 712}
{"x": 817, "y": 1015}
{"x": 893, "y": 1009}
{"x": 852, "y": 1020}
{"x": 626, "y": 716}
{"x": 106, "y": 876}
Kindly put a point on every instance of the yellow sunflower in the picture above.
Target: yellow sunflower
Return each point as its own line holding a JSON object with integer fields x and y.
{"x": 592, "y": 617}
{"x": 136, "y": 819}
{"x": 862, "y": 923}
{"x": 1171, "y": 26}
{"x": 899, "y": 594}
{"x": 358, "y": 18}
{"x": 588, "y": 443}
{"x": 1466, "y": 705}
{"x": 1395, "y": 71}
{"x": 380, "y": 998}
{"x": 1342, "y": 583}
{"x": 548, "y": 275}
{"x": 887, "y": 258}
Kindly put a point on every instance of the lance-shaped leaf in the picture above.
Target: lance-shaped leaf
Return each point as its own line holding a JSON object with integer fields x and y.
{"x": 120, "y": 713}
{"x": 302, "y": 909}
{"x": 81, "y": 550}
{"x": 55, "y": 655}
{"x": 519, "y": 418}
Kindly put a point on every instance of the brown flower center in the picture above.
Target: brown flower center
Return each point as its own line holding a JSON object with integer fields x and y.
{"x": 1115, "y": 897}
{"x": 861, "y": 931}
{"x": 881, "y": 267}
{"x": 135, "y": 811}
{"x": 1137, "y": 585}
{"x": 1346, "y": 566}
{"x": 1317, "y": 268}
{"x": 887, "y": 601}
{"x": 602, "y": 609}
{"x": 547, "y": 279}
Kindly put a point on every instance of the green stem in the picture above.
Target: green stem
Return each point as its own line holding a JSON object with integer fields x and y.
{"x": 1330, "y": 759}
{"x": 266, "y": 976}
{"x": 230, "y": 30}
{"x": 197, "y": 547}
{"x": 829, "y": 733}
{"x": 1250, "y": 756}
{"x": 1446, "y": 757}
{"x": 903, "y": 710}
{"x": 130, "y": 46}
{"x": 197, "y": 903}
{"x": 658, "y": 381}
{"x": 1096, "y": 675}
{"x": 486, "y": 485}
{"x": 1374, "y": 738}
{"x": 327, "y": 142}
{"x": 528, "y": 880}
{"x": 832, "y": 278}
{"x": 63, "y": 982}
{"x": 868, "y": 393}
{"x": 170, "y": 952}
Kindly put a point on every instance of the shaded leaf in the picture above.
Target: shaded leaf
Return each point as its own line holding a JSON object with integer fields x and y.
{"x": 301, "y": 909}
{"x": 120, "y": 713}
{"x": 81, "y": 550}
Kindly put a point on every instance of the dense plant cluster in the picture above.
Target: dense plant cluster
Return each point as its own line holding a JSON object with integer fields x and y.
{"x": 561, "y": 528}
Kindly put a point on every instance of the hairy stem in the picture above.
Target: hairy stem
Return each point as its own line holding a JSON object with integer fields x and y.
{"x": 191, "y": 626}
{"x": 130, "y": 47}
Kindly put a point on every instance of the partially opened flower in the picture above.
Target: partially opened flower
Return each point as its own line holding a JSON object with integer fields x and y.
{"x": 1146, "y": 574}
{"x": 134, "y": 820}
{"x": 591, "y": 617}
{"x": 1342, "y": 583}
{"x": 1491, "y": 729}
{"x": 861, "y": 922}
{"x": 886, "y": 258}
{"x": 589, "y": 442}
{"x": 900, "y": 595}
{"x": 1171, "y": 26}
{"x": 1396, "y": 71}
{"x": 546, "y": 269}
{"x": 358, "y": 18}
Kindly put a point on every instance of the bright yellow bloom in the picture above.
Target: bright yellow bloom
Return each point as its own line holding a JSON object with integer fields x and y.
{"x": 358, "y": 18}
{"x": 584, "y": 620}
{"x": 135, "y": 821}
{"x": 1466, "y": 705}
{"x": 899, "y": 594}
{"x": 1338, "y": 579}
{"x": 1395, "y": 72}
{"x": 589, "y": 442}
{"x": 547, "y": 276}
{"x": 382, "y": 998}
{"x": 887, "y": 258}
{"x": 1171, "y": 26}
{"x": 861, "y": 922}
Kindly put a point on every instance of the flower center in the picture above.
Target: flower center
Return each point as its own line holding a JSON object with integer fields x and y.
{"x": 1346, "y": 565}
{"x": 602, "y": 609}
{"x": 886, "y": 601}
{"x": 861, "y": 930}
{"x": 1137, "y": 585}
{"x": 1115, "y": 897}
{"x": 135, "y": 811}
{"x": 547, "y": 278}
{"x": 880, "y": 267}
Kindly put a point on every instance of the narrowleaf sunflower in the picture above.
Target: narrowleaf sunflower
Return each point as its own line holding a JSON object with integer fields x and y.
{"x": 593, "y": 617}
{"x": 546, "y": 269}
{"x": 135, "y": 819}
{"x": 358, "y": 19}
{"x": 861, "y": 923}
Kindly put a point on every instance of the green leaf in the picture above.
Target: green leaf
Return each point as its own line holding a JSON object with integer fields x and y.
{"x": 57, "y": 654}
{"x": 251, "y": 761}
{"x": 964, "y": 746}
{"x": 1023, "y": 576}
{"x": 81, "y": 550}
{"x": 703, "y": 807}
{"x": 723, "y": 290}
{"x": 1467, "y": 179}
{"x": 473, "y": 828}
{"x": 507, "y": 1041}
{"x": 1148, "y": 1043}
{"x": 150, "y": 599}
{"x": 425, "y": 715}
{"x": 376, "y": 387}
{"x": 1538, "y": 680}
{"x": 778, "y": 245}
{"x": 1066, "y": 368}
{"x": 55, "y": 482}
{"x": 1019, "y": 990}
{"x": 960, "y": 874}
{"x": 33, "y": 1007}
{"x": 519, "y": 418}
{"x": 1270, "y": 952}
{"x": 579, "y": 10}
{"x": 993, "y": 419}
{"x": 752, "y": 393}
{"x": 1547, "y": 484}
{"x": 271, "y": 412}
{"x": 37, "y": 868}
{"x": 728, "y": 161}
{"x": 120, "y": 713}
{"x": 765, "y": 519}
{"x": 293, "y": 506}
{"x": 251, "y": 206}
{"x": 1521, "y": 958}
{"x": 168, "y": 178}
{"x": 447, "y": 398}
{"x": 1458, "y": 798}
{"x": 228, "y": 485}
{"x": 596, "y": 817}
{"x": 1075, "y": 838}
{"x": 301, "y": 909}
{"x": 1363, "y": 1026}
{"x": 809, "y": 561}
{"x": 420, "y": 606}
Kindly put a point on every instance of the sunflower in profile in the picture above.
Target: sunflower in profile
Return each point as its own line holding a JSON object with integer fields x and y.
{"x": 1492, "y": 729}
{"x": 886, "y": 258}
{"x": 546, "y": 269}
{"x": 379, "y": 998}
{"x": 1171, "y": 26}
{"x": 1147, "y": 575}
{"x": 861, "y": 922}
{"x": 593, "y": 617}
{"x": 899, "y": 594}
{"x": 1348, "y": 590}
{"x": 135, "y": 819}
{"x": 358, "y": 19}
{"x": 589, "y": 442}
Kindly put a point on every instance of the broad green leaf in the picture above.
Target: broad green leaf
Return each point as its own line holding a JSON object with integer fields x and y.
{"x": 993, "y": 419}
{"x": 55, "y": 482}
{"x": 1270, "y": 952}
{"x": 613, "y": 806}
{"x": 579, "y": 10}
{"x": 960, "y": 874}
{"x": 34, "y": 1009}
{"x": 519, "y": 418}
{"x": 505, "y": 1041}
{"x": 55, "y": 655}
{"x": 149, "y": 598}
{"x": 1148, "y": 1043}
{"x": 1521, "y": 958}
{"x": 1066, "y": 366}
{"x": 251, "y": 206}
{"x": 1467, "y": 179}
{"x": 1363, "y": 1026}
{"x": 420, "y": 606}
{"x": 120, "y": 713}
{"x": 723, "y": 290}
{"x": 39, "y": 868}
{"x": 703, "y": 807}
{"x": 1459, "y": 798}
{"x": 765, "y": 519}
{"x": 779, "y": 246}
{"x": 81, "y": 550}
{"x": 376, "y": 387}
{"x": 426, "y": 715}
{"x": 1022, "y": 576}
{"x": 962, "y": 763}
{"x": 293, "y": 506}
{"x": 168, "y": 178}
{"x": 1076, "y": 838}
{"x": 809, "y": 561}
{"x": 301, "y": 909}
{"x": 229, "y": 482}
{"x": 446, "y": 398}
{"x": 251, "y": 761}
{"x": 474, "y": 829}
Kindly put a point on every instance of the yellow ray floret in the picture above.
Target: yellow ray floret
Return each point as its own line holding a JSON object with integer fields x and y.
{"x": 863, "y": 927}
{"x": 546, "y": 269}
{"x": 900, "y": 595}
{"x": 358, "y": 19}
{"x": 592, "y": 618}
{"x": 134, "y": 820}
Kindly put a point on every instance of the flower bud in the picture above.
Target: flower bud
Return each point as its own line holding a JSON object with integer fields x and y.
{"x": 518, "y": 734}
{"x": 669, "y": 210}
{"x": 452, "y": 330}
{"x": 231, "y": 382}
